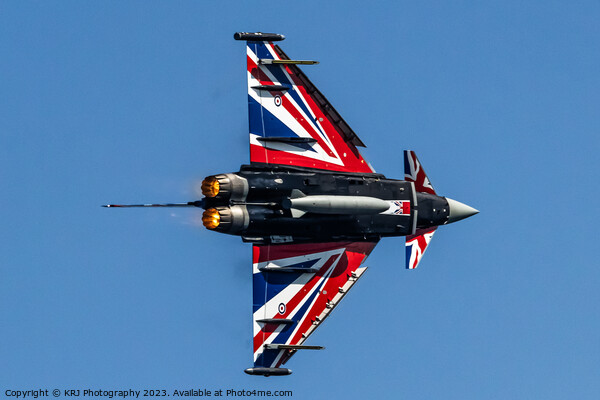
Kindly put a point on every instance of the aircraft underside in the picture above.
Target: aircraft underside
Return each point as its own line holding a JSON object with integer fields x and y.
{"x": 267, "y": 204}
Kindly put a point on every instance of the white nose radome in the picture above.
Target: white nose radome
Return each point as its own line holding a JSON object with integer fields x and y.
{"x": 459, "y": 211}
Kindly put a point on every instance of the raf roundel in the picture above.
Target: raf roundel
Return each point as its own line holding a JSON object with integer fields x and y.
{"x": 281, "y": 308}
{"x": 277, "y": 100}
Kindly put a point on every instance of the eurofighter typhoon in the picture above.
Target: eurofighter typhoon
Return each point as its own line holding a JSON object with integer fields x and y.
{"x": 310, "y": 204}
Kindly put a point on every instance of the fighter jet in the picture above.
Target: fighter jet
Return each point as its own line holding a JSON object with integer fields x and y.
{"x": 310, "y": 204}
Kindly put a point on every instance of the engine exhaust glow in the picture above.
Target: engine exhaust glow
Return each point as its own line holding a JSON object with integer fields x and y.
{"x": 210, "y": 186}
{"x": 211, "y": 218}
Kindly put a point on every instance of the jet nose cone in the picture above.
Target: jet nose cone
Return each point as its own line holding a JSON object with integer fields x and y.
{"x": 459, "y": 211}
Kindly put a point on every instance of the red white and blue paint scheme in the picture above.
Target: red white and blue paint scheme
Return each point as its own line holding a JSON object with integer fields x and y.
{"x": 310, "y": 204}
{"x": 289, "y": 306}
{"x": 291, "y": 122}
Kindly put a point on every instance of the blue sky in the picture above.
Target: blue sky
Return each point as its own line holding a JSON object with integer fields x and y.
{"x": 138, "y": 101}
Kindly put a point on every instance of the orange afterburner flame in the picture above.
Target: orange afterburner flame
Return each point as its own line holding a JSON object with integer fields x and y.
{"x": 210, "y": 186}
{"x": 211, "y": 218}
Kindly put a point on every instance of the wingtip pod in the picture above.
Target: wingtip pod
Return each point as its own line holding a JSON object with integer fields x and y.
{"x": 258, "y": 36}
{"x": 268, "y": 371}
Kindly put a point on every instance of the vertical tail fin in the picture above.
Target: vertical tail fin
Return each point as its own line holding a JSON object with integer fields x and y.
{"x": 414, "y": 172}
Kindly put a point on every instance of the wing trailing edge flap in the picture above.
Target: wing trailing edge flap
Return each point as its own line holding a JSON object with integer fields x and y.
{"x": 289, "y": 306}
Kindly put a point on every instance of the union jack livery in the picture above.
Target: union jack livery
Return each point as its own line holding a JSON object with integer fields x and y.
{"x": 291, "y": 122}
{"x": 296, "y": 286}
{"x": 310, "y": 204}
{"x": 416, "y": 245}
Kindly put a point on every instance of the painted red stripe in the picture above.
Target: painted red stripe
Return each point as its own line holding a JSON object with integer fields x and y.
{"x": 281, "y": 251}
{"x": 406, "y": 207}
{"x": 257, "y": 154}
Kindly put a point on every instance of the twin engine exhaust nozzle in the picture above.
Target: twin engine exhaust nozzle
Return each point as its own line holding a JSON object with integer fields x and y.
{"x": 226, "y": 219}
{"x": 225, "y": 187}
{"x": 219, "y": 189}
